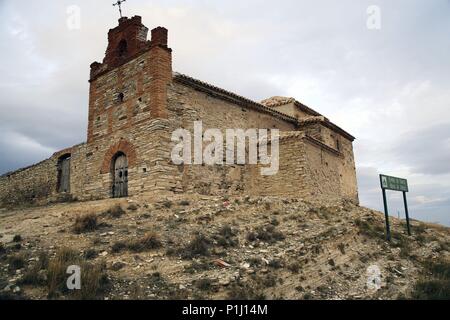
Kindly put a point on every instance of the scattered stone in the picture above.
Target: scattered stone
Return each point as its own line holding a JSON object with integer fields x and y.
{"x": 245, "y": 265}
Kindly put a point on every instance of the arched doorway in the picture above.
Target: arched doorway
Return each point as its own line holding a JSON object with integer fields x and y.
{"x": 120, "y": 175}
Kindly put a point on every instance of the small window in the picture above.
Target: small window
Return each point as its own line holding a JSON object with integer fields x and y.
{"x": 338, "y": 145}
{"x": 120, "y": 97}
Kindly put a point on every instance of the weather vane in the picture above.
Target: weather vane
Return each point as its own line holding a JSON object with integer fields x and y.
{"x": 119, "y": 3}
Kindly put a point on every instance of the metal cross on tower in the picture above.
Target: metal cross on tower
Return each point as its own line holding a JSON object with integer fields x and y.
{"x": 119, "y": 3}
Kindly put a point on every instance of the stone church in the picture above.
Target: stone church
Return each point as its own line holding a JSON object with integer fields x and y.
{"x": 136, "y": 101}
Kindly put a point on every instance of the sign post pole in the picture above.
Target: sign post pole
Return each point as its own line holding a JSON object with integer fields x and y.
{"x": 406, "y": 213}
{"x": 395, "y": 184}
{"x": 386, "y": 215}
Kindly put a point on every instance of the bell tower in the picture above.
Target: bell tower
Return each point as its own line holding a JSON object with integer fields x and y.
{"x": 125, "y": 41}
{"x": 130, "y": 85}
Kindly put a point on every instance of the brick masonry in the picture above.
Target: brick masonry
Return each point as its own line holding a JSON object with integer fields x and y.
{"x": 136, "y": 102}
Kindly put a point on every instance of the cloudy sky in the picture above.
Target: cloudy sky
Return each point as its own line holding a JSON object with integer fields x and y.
{"x": 382, "y": 73}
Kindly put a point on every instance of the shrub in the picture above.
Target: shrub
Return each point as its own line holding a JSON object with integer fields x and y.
{"x": 244, "y": 292}
{"x": 294, "y": 267}
{"x": 148, "y": 242}
{"x": 226, "y": 231}
{"x": 226, "y": 236}
{"x": 275, "y": 264}
{"x": 2, "y": 249}
{"x": 93, "y": 277}
{"x": 118, "y": 247}
{"x": 86, "y": 223}
{"x": 269, "y": 281}
{"x": 251, "y": 237}
{"x": 16, "y": 262}
{"x": 266, "y": 234}
{"x": 432, "y": 289}
{"x": 116, "y": 211}
{"x": 42, "y": 260}
{"x": 198, "y": 246}
{"x": 17, "y": 238}
{"x": 204, "y": 284}
{"x": 94, "y": 282}
{"x": 435, "y": 283}
{"x": 255, "y": 261}
{"x": 197, "y": 267}
{"x": 168, "y": 204}
{"x": 132, "y": 207}
{"x": 184, "y": 203}
{"x": 90, "y": 254}
{"x": 370, "y": 230}
{"x": 34, "y": 275}
{"x": 274, "y": 222}
{"x": 57, "y": 268}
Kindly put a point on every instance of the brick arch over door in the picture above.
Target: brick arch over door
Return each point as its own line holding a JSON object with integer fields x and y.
{"x": 123, "y": 146}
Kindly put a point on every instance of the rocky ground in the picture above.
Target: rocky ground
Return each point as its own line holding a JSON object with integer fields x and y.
{"x": 196, "y": 247}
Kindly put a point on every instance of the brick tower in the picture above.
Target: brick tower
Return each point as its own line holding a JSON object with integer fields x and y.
{"x": 130, "y": 85}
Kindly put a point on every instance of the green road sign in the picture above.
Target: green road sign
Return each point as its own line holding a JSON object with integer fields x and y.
{"x": 393, "y": 183}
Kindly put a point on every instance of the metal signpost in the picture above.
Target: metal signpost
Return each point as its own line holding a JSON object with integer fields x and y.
{"x": 395, "y": 184}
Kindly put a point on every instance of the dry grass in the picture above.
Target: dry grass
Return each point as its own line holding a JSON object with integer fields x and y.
{"x": 16, "y": 262}
{"x": 115, "y": 211}
{"x": 266, "y": 234}
{"x": 370, "y": 229}
{"x": 93, "y": 276}
{"x": 435, "y": 283}
{"x": 204, "y": 284}
{"x": 132, "y": 207}
{"x": 150, "y": 241}
{"x": 36, "y": 274}
{"x": 226, "y": 237}
{"x": 245, "y": 292}
{"x": 57, "y": 268}
{"x": 86, "y": 223}
{"x": 198, "y": 246}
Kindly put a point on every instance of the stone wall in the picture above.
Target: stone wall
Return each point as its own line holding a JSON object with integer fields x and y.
{"x": 291, "y": 179}
{"x": 307, "y": 169}
{"x": 187, "y": 105}
{"x": 34, "y": 184}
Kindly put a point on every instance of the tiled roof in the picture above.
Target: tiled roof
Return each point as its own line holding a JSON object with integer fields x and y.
{"x": 327, "y": 123}
{"x": 278, "y": 101}
{"x": 274, "y": 101}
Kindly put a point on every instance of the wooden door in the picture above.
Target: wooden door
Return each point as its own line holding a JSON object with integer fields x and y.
{"x": 120, "y": 183}
{"x": 64, "y": 182}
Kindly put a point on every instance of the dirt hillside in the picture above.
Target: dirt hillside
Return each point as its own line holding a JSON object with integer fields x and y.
{"x": 195, "y": 247}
